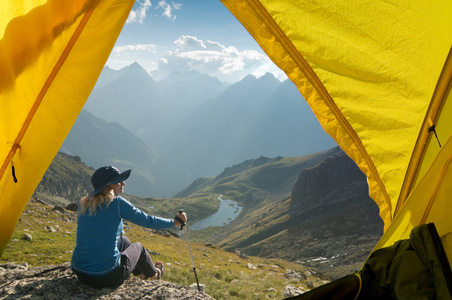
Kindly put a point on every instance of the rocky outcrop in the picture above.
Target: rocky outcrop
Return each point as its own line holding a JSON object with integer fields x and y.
{"x": 66, "y": 180}
{"x": 328, "y": 222}
{"x": 332, "y": 200}
{"x": 59, "y": 282}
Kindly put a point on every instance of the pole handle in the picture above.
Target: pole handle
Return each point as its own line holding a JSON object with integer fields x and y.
{"x": 179, "y": 219}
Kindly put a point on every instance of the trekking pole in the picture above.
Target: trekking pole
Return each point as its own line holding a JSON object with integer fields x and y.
{"x": 183, "y": 225}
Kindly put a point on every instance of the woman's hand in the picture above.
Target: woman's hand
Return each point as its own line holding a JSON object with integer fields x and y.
{"x": 182, "y": 216}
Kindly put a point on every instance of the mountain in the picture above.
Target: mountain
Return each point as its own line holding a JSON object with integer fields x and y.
{"x": 332, "y": 222}
{"x": 255, "y": 181}
{"x": 149, "y": 109}
{"x": 181, "y": 94}
{"x": 124, "y": 96}
{"x": 100, "y": 143}
{"x": 252, "y": 118}
{"x": 313, "y": 209}
{"x": 190, "y": 125}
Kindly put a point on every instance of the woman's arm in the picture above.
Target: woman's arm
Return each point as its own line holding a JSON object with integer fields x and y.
{"x": 133, "y": 214}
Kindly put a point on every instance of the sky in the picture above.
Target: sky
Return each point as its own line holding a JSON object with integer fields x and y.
{"x": 202, "y": 35}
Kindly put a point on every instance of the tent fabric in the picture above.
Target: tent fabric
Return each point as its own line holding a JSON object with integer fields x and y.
{"x": 410, "y": 269}
{"x": 376, "y": 74}
{"x": 429, "y": 201}
{"x": 51, "y": 54}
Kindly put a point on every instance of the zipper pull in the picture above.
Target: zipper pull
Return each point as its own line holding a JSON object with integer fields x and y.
{"x": 13, "y": 172}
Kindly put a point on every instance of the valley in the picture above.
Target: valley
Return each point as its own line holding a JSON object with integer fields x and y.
{"x": 312, "y": 209}
{"x": 189, "y": 126}
{"x": 192, "y": 140}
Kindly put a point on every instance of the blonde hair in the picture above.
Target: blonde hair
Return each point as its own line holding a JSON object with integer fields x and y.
{"x": 91, "y": 204}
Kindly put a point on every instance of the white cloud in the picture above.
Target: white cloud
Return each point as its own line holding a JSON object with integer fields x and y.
{"x": 140, "y": 47}
{"x": 139, "y": 14}
{"x": 191, "y": 43}
{"x": 168, "y": 10}
{"x": 213, "y": 58}
{"x": 125, "y": 55}
{"x": 141, "y": 9}
{"x": 190, "y": 53}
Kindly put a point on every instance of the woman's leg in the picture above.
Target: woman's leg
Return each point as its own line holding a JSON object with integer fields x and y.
{"x": 123, "y": 243}
{"x": 137, "y": 260}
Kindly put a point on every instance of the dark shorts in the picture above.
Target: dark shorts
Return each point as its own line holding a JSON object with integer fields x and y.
{"x": 112, "y": 279}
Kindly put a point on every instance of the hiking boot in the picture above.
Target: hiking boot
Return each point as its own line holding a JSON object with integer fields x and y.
{"x": 160, "y": 268}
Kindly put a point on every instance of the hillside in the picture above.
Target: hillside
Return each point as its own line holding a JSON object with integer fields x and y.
{"x": 225, "y": 275}
{"x": 265, "y": 176}
{"x": 330, "y": 221}
{"x": 325, "y": 219}
{"x": 312, "y": 209}
{"x": 100, "y": 143}
{"x": 68, "y": 179}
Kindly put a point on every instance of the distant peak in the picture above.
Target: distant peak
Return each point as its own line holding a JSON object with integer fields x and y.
{"x": 268, "y": 75}
{"x": 135, "y": 68}
{"x": 248, "y": 78}
{"x": 134, "y": 65}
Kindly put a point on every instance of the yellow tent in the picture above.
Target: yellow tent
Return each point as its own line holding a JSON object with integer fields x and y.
{"x": 377, "y": 75}
{"x": 51, "y": 54}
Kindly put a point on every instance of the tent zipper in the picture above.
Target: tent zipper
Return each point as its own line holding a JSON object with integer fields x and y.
{"x": 13, "y": 171}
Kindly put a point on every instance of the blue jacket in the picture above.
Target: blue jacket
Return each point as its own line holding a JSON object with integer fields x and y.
{"x": 96, "y": 251}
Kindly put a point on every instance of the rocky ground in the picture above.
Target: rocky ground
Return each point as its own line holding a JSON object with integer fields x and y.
{"x": 59, "y": 282}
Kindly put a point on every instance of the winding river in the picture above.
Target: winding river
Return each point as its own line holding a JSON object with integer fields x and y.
{"x": 225, "y": 214}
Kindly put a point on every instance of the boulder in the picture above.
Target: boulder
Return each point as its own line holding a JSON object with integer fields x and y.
{"x": 28, "y": 237}
{"x": 72, "y": 207}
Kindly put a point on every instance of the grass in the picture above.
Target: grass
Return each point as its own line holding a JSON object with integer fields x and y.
{"x": 225, "y": 275}
{"x": 197, "y": 208}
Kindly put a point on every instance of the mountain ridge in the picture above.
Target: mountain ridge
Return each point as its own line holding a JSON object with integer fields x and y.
{"x": 207, "y": 127}
{"x": 234, "y": 127}
{"x": 100, "y": 143}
